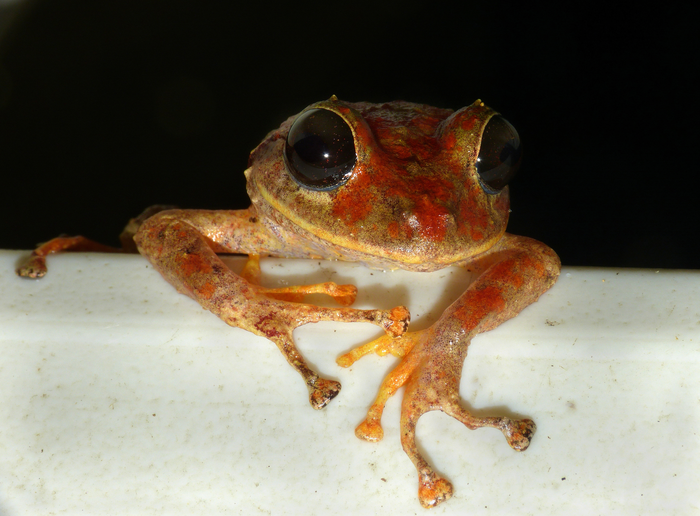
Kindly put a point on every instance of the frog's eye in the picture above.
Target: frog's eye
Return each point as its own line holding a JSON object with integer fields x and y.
{"x": 499, "y": 155}
{"x": 320, "y": 150}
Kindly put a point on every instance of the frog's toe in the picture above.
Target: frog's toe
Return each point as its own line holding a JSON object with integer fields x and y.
{"x": 322, "y": 391}
{"x": 433, "y": 490}
{"x": 370, "y": 430}
{"x": 397, "y": 321}
{"x": 34, "y": 268}
{"x": 519, "y": 432}
{"x": 346, "y": 360}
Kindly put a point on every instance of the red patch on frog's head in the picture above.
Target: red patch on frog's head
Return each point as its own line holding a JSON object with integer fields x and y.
{"x": 421, "y": 156}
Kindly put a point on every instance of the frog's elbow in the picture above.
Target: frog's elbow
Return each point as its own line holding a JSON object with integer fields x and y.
{"x": 150, "y": 228}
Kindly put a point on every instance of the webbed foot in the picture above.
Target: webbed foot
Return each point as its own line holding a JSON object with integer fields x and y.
{"x": 430, "y": 368}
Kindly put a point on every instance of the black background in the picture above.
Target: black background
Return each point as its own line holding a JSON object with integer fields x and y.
{"x": 108, "y": 107}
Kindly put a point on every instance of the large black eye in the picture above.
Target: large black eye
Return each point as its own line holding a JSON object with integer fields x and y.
{"x": 320, "y": 150}
{"x": 500, "y": 153}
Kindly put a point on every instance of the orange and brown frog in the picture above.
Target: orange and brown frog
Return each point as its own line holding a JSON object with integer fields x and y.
{"x": 395, "y": 185}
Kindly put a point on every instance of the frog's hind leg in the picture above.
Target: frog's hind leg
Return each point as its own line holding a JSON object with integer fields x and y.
{"x": 513, "y": 275}
{"x": 35, "y": 266}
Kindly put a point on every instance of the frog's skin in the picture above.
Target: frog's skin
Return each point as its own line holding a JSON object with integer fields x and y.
{"x": 414, "y": 200}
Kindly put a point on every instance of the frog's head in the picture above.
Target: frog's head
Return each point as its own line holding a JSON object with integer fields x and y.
{"x": 396, "y": 184}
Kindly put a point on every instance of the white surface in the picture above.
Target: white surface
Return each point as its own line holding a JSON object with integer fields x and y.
{"x": 120, "y": 396}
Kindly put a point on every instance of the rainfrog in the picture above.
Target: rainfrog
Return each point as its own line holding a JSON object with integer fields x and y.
{"x": 394, "y": 185}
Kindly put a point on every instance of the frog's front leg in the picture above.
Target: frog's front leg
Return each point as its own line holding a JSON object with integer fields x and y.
{"x": 182, "y": 245}
{"x": 514, "y": 274}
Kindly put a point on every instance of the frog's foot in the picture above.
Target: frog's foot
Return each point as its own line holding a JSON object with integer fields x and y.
{"x": 430, "y": 369}
{"x": 35, "y": 267}
{"x": 423, "y": 395}
{"x": 398, "y": 346}
{"x": 291, "y": 314}
{"x": 371, "y": 429}
{"x": 518, "y": 432}
{"x": 344, "y": 295}
{"x": 322, "y": 391}
{"x": 433, "y": 489}
{"x": 288, "y": 316}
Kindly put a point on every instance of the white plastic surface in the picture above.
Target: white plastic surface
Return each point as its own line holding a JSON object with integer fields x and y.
{"x": 120, "y": 396}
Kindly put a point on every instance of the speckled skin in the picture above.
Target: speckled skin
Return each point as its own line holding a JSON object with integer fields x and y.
{"x": 414, "y": 201}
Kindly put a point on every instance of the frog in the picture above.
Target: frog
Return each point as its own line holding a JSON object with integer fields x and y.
{"x": 395, "y": 185}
